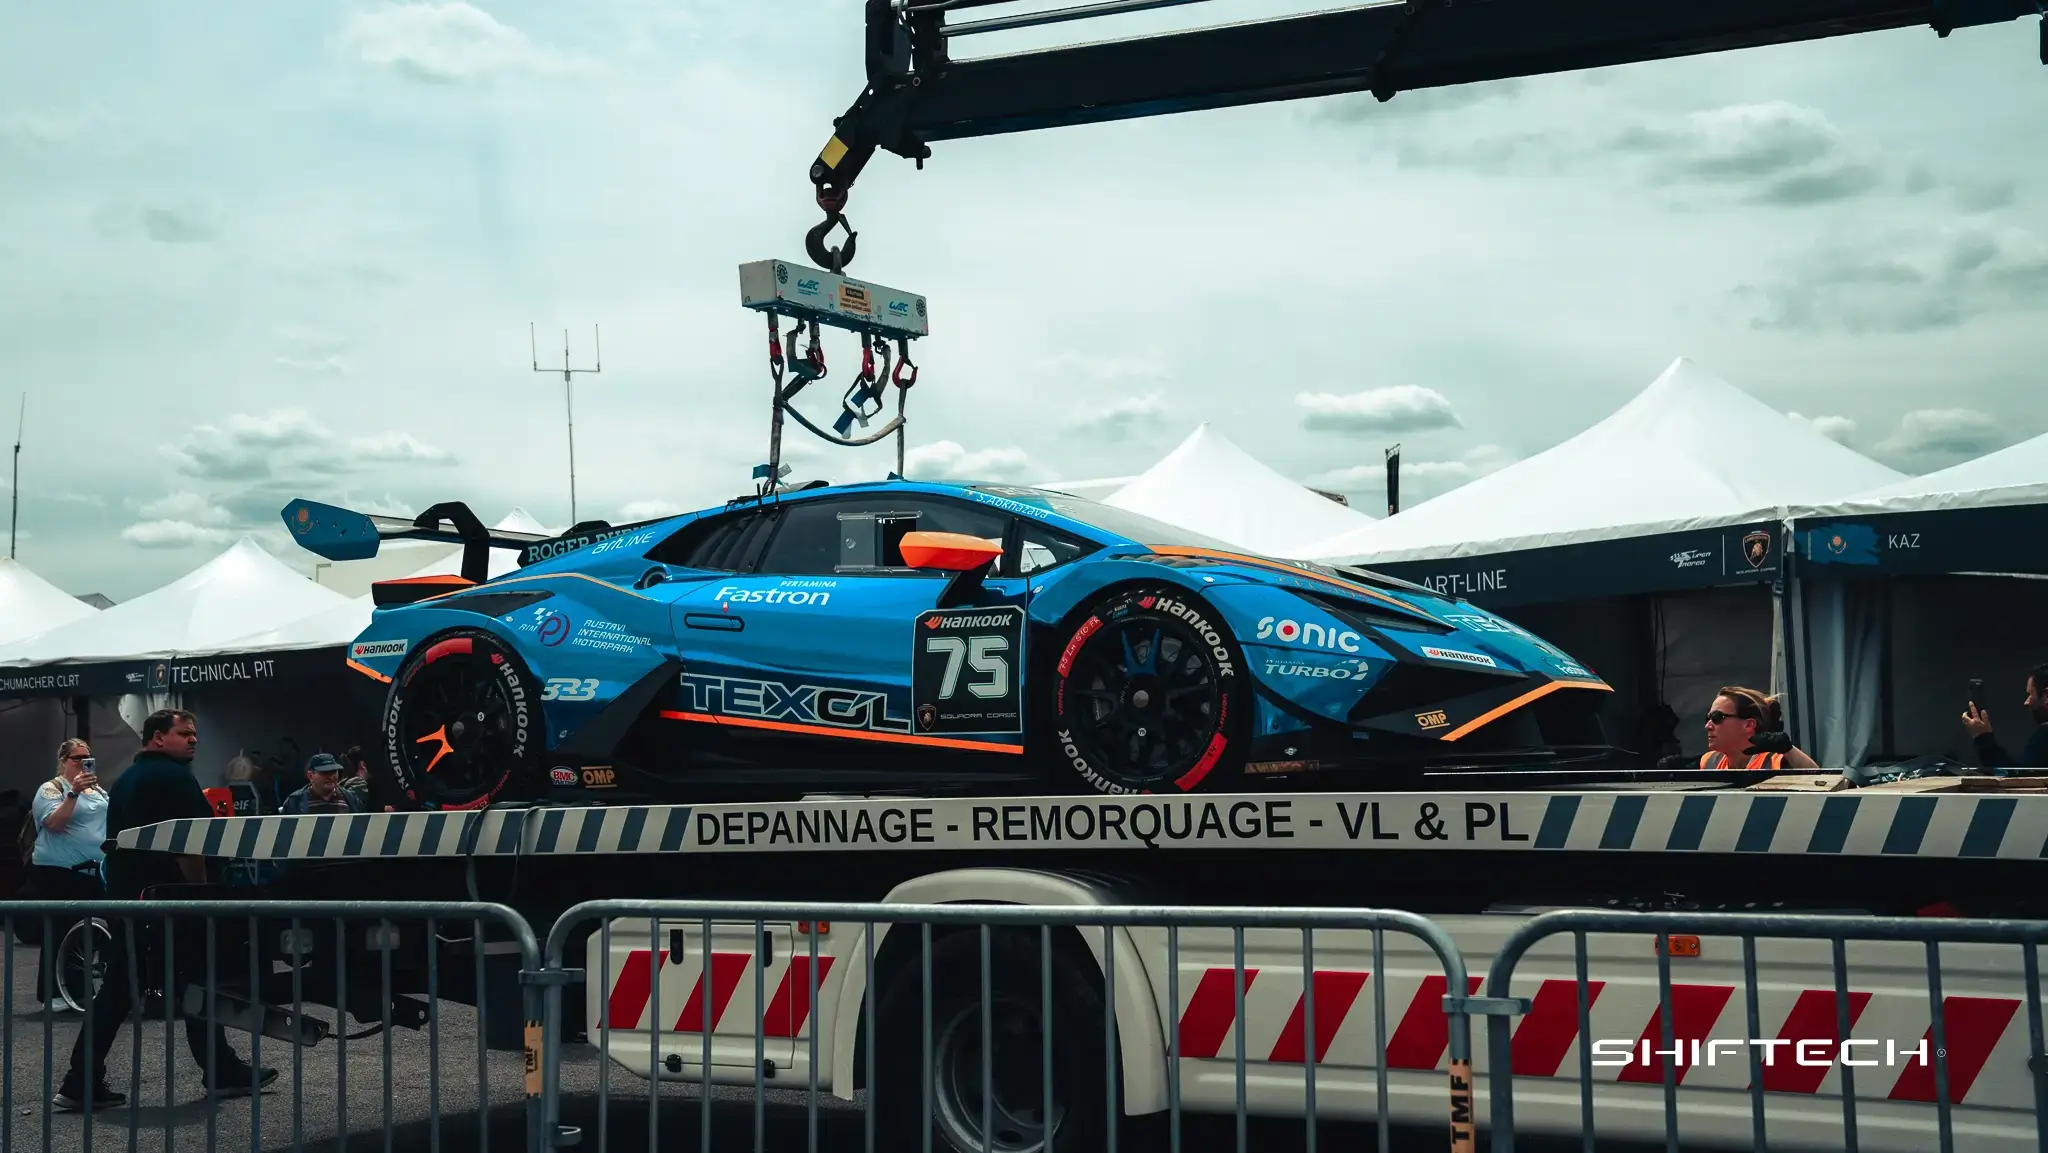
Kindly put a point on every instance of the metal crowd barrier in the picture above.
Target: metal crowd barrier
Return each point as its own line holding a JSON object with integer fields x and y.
{"x": 265, "y": 971}
{"x": 1838, "y": 931}
{"x": 903, "y": 1076}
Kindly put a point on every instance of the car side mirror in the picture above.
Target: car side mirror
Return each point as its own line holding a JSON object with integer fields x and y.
{"x": 948, "y": 551}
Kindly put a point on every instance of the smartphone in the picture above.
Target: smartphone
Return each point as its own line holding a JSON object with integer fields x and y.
{"x": 1976, "y": 690}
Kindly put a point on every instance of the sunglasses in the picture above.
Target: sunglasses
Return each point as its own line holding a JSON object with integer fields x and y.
{"x": 86, "y": 763}
{"x": 1717, "y": 716}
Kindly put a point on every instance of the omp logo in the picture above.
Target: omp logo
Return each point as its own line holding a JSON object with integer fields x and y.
{"x": 1431, "y": 720}
{"x": 739, "y": 595}
{"x": 1310, "y": 635}
{"x": 363, "y": 650}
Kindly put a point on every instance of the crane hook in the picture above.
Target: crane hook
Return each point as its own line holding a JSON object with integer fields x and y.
{"x": 835, "y": 260}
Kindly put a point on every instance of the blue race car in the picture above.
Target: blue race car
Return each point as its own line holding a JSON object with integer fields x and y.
{"x": 905, "y": 635}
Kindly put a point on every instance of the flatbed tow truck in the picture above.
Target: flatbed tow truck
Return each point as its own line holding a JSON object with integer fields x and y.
{"x": 1476, "y": 860}
{"x": 1478, "y": 854}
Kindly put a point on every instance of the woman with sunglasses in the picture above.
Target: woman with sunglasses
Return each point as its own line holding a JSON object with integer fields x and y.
{"x": 1745, "y": 730}
{"x": 71, "y": 824}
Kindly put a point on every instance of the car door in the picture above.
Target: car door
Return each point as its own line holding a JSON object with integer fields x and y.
{"x": 832, "y": 635}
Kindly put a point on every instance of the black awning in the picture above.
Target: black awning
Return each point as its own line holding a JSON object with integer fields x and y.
{"x": 179, "y": 674}
{"x": 1589, "y": 570}
{"x": 2004, "y": 539}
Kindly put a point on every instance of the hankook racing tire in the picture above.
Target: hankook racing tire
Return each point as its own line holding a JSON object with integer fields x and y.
{"x": 462, "y": 724}
{"x": 1150, "y": 695}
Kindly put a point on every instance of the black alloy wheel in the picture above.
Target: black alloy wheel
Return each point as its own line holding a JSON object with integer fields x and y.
{"x": 1150, "y": 696}
{"x": 460, "y": 723}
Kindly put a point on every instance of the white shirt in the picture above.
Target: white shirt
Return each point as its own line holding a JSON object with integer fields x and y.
{"x": 80, "y": 841}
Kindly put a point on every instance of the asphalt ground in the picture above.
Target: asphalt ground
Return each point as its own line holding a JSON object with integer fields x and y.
{"x": 427, "y": 1091}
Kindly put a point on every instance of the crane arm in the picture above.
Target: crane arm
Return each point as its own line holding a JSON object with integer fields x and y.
{"x": 916, "y": 93}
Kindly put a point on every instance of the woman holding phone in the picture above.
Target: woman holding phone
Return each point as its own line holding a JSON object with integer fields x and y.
{"x": 71, "y": 825}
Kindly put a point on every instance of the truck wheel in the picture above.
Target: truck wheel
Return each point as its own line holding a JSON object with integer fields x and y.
{"x": 460, "y": 724}
{"x": 1150, "y": 696}
{"x": 1018, "y": 1119}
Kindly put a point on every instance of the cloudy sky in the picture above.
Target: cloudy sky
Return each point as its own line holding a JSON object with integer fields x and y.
{"x": 253, "y": 250}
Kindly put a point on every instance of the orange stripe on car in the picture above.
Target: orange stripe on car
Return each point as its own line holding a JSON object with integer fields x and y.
{"x": 836, "y": 731}
{"x": 367, "y": 671}
{"x": 1537, "y": 693}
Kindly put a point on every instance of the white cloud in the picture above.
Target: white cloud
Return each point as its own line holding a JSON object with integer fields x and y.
{"x": 171, "y": 534}
{"x": 648, "y": 510}
{"x": 1400, "y": 408}
{"x": 947, "y": 460}
{"x": 1946, "y": 431}
{"x": 1121, "y": 418}
{"x": 1836, "y": 428}
{"x": 444, "y": 43}
{"x": 394, "y": 447}
{"x": 186, "y": 506}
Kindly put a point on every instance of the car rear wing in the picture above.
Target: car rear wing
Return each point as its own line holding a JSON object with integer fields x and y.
{"x": 340, "y": 534}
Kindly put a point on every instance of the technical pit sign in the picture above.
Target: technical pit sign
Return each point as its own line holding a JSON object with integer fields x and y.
{"x": 967, "y": 671}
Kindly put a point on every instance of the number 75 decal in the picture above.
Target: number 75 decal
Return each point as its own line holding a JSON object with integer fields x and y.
{"x": 569, "y": 689}
{"x": 984, "y": 654}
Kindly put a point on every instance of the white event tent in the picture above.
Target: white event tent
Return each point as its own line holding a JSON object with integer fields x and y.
{"x": 1931, "y": 581}
{"x": 1690, "y": 451}
{"x": 202, "y": 612}
{"x": 30, "y": 729}
{"x": 1644, "y": 545}
{"x": 1210, "y": 486}
{"x": 185, "y": 644}
{"x": 30, "y": 605}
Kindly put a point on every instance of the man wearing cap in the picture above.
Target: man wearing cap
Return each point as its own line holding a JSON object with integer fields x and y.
{"x": 323, "y": 792}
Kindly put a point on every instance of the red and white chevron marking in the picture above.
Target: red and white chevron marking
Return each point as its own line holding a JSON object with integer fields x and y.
{"x": 1986, "y": 1057}
{"x": 631, "y": 1002}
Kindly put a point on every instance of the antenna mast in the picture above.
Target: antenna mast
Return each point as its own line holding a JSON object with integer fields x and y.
{"x": 568, "y": 395}
{"x": 14, "y": 513}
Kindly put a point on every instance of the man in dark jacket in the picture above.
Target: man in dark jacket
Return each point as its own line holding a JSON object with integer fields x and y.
{"x": 323, "y": 792}
{"x": 2034, "y": 755}
{"x": 157, "y": 786}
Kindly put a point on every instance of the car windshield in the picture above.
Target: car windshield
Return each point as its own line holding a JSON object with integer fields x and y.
{"x": 1123, "y": 522}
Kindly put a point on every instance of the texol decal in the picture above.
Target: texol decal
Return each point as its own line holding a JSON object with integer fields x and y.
{"x": 1310, "y": 635}
{"x": 835, "y": 706}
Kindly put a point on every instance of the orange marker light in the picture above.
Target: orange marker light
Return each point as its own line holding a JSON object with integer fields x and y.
{"x": 1682, "y": 945}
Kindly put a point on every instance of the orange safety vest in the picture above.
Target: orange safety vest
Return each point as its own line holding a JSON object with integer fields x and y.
{"x": 1758, "y": 761}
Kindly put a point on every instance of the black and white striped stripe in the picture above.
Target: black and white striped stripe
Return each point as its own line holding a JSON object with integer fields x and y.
{"x": 1853, "y": 824}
